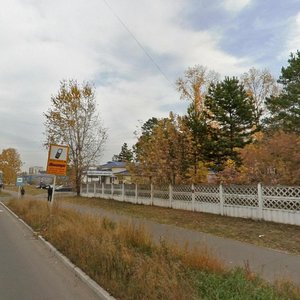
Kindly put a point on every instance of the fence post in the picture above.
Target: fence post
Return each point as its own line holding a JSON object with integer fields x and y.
{"x": 193, "y": 197}
{"x": 221, "y": 193}
{"x": 123, "y": 191}
{"x": 136, "y": 193}
{"x": 102, "y": 191}
{"x": 95, "y": 189}
{"x": 151, "y": 193}
{"x": 260, "y": 201}
{"x": 170, "y": 195}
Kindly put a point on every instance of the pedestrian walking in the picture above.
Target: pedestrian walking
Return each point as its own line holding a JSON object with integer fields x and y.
{"x": 50, "y": 192}
{"x": 22, "y": 191}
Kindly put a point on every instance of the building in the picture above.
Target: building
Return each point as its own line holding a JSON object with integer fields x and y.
{"x": 112, "y": 172}
{"x": 35, "y": 170}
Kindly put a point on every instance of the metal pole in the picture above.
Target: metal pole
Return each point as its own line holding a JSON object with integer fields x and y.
{"x": 53, "y": 191}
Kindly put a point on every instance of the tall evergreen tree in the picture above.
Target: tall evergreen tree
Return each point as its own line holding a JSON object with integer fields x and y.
{"x": 231, "y": 117}
{"x": 125, "y": 154}
{"x": 193, "y": 88}
{"x": 284, "y": 110}
{"x": 201, "y": 144}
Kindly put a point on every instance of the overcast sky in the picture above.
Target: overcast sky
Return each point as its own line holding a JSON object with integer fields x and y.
{"x": 102, "y": 41}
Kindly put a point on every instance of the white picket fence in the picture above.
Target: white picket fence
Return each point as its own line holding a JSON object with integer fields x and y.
{"x": 279, "y": 204}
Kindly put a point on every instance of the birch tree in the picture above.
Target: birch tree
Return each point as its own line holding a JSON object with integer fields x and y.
{"x": 260, "y": 84}
{"x": 72, "y": 119}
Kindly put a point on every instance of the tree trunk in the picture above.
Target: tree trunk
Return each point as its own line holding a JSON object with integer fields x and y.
{"x": 78, "y": 190}
{"x": 78, "y": 180}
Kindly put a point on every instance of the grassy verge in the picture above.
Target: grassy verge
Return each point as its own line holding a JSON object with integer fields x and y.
{"x": 4, "y": 194}
{"x": 29, "y": 190}
{"x": 124, "y": 260}
{"x": 267, "y": 234}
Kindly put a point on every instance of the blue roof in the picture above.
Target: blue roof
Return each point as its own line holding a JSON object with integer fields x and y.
{"x": 125, "y": 172}
{"x": 113, "y": 164}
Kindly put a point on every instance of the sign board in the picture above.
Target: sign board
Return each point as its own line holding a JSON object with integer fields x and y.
{"x": 20, "y": 181}
{"x": 57, "y": 160}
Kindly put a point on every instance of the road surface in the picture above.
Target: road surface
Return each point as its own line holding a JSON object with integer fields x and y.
{"x": 29, "y": 271}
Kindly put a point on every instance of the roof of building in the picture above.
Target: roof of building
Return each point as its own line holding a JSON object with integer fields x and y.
{"x": 113, "y": 164}
{"x": 125, "y": 172}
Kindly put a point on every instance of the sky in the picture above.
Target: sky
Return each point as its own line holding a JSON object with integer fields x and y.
{"x": 133, "y": 51}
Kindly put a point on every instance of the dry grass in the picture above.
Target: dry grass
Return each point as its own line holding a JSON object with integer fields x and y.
{"x": 4, "y": 194}
{"x": 126, "y": 262}
{"x": 29, "y": 190}
{"x": 261, "y": 233}
{"x": 121, "y": 257}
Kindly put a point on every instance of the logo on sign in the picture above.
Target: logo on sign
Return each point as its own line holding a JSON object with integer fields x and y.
{"x": 57, "y": 160}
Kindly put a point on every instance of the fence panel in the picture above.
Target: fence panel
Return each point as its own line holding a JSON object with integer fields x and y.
{"x": 161, "y": 195}
{"x": 129, "y": 193}
{"x": 271, "y": 203}
{"x": 117, "y": 192}
{"x": 281, "y": 204}
{"x": 182, "y": 197}
{"x": 107, "y": 191}
{"x": 144, "y": 194}
{"x": 207, "y": 199}
{"x": 241, "y": 201}
{"x": 98, "y": 189}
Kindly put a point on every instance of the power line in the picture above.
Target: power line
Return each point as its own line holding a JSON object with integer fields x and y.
{"x": 138, "y": 43}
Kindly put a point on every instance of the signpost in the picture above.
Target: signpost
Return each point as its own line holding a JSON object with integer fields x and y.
{"x": 19, "y": 183}
{"x": 57, "y": 162}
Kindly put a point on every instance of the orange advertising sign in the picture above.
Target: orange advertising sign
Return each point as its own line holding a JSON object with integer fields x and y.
{"x": 57, "y": 160}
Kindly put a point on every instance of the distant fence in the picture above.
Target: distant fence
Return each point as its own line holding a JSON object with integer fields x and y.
{"x": 279, "y": 204}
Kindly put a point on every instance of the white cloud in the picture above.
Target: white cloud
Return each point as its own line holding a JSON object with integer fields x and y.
{"x": 235, "y": 5}
{"x": 293, "y": 37}
{"x": 43, "y": 42}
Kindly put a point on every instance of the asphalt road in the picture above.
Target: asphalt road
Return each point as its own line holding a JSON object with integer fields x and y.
{"x": 29, "y": 271}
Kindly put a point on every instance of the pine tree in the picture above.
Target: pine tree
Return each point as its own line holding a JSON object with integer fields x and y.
{"x": 193, "y": 88}
{"x": 231, "y": 118}
{"x": 125, "y": 154}
{"x": 284, "y": 110}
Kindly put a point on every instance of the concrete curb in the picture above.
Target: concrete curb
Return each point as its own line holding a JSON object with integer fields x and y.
{"x": 78, "y": 272}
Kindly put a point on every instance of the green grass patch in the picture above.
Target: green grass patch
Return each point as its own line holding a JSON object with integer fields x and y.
{"x": 124, "y": 260}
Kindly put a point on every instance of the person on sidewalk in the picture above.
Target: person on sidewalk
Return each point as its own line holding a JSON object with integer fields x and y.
{"x": 22, "y": 191}
{"x": 50, "y": 192}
